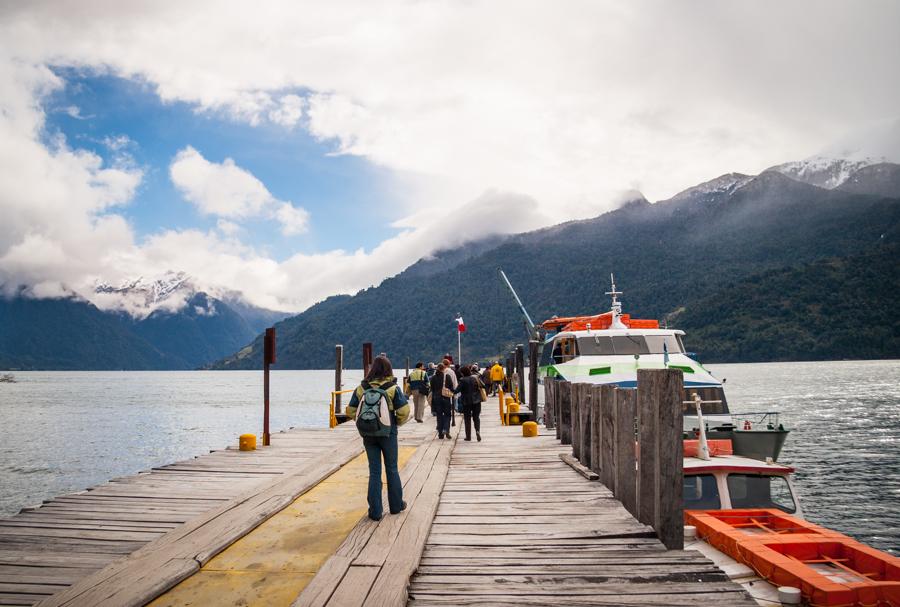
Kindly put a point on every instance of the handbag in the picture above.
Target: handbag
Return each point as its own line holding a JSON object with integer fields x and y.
{"x": 445, "y": 391}
{"x": 481, "y": 390}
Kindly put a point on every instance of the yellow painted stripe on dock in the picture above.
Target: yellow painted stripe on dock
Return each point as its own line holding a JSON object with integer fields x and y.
{"x": 272, "y": 564}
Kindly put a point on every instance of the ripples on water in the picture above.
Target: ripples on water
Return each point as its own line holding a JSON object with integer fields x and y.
{"x": 66, "y": 431}
{"x": 844, "y": 442}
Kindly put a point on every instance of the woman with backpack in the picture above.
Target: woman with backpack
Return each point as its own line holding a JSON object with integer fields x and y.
{"x": 442, "y": 385}
{"x": 382, "y": 408}
{"x": 471, "y": 390}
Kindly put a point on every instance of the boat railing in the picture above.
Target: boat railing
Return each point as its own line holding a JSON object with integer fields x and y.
{"x": 757, "y": 420}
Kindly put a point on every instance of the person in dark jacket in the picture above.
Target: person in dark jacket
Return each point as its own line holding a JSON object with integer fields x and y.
{"x": 439, "y": 403}
{"x": 381, "y": 375}
{"x": 470, "y": 388}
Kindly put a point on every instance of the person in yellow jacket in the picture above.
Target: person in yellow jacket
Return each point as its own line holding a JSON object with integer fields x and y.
{"x": 497, "y": 375}
{"x": 381, "y": 377}
{"x": 418, "y": 386}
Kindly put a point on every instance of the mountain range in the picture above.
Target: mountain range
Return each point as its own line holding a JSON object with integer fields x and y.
{"x": 152, "y": 324}
{"x": 750, "y": 266}
{"x": 796, "y": 263}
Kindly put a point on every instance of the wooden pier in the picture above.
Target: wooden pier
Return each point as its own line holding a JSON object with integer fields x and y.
{"x": 498, "y": 522}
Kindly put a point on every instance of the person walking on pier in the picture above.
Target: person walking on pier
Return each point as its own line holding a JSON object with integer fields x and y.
{"x": 497, "y": 375}
{"x": 470, "y": 389}
{"x": 440, "y": 402}
{"x": 381, "y": 383}
{"x": 418, "y": 385}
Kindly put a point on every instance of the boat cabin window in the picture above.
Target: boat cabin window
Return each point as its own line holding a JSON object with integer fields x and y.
{"x": 701, "y": 492}
{"x": 758, "y": 491}
{"x": 603, "y": 345}
{"x": 564, "y": 350}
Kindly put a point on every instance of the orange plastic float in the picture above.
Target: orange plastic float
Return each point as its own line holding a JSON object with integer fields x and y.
{"x": 830, "y": 568}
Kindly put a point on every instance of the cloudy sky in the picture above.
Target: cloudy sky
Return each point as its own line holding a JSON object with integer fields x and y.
{"x": 300, "y": 149}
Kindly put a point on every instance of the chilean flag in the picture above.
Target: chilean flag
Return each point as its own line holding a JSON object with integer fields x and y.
{"x": 460, "y": 325}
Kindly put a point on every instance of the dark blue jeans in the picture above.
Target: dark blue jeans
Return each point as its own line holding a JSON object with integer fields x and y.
{"x": 376, "y": 448}
{"x": 442, "y": 409}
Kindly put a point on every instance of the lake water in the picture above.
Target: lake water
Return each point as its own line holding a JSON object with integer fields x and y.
{"x": 65, "y": 431}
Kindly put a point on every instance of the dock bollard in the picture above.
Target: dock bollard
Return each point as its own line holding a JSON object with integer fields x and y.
{"x": 247, "y": 442}
{"x": 529, "y": 429}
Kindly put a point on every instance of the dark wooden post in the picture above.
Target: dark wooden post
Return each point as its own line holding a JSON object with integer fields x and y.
{"x": 367, "y": 357}
{"x": 549, "y": 420}
{"x": 626, "y": 482}
{"x": 608, "y": 434}
{"x": 664, "y": 390}
{"x": 533, "y": 379}
{"x": 564, "y": 398}
{"x": 268, "y": 359}
{"x": 585, "y": 423}
{"x": 520, "y": 371}
{"x": 557, "y": 410}
{"x": 596, "y": 428}
{"x": 647, "y": 432}
{"x": 576, "y": 421}
{"x": 338, "y": 370}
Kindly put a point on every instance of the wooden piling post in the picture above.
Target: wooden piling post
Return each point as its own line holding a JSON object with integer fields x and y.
{"x": 564, "y": 398}
{"x": 549, "y": 418}
{"x": 608, "y": 436}
{"x": 520, "y": 371}
{"x": 533, "y": 378}
{"x": 626, "y": 481}
{"x": 367, "y": 357}
{"x": 338, "y": 370}
{"x": 585, "y": 423}
{"x": 268, "y": 359}
{"x": 660, "y": 392}
{"x": 576, "y": 421}
{"x": 596, "y": 428}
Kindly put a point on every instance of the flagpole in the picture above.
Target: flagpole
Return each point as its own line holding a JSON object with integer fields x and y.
{"x": 458, "y": 346}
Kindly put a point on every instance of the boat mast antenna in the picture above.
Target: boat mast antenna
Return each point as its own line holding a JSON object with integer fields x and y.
{"x": 616, "y": 305}
{"x": 532, "y": 329}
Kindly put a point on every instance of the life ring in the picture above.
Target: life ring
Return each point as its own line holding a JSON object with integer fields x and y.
{"x": 747, "y": 425}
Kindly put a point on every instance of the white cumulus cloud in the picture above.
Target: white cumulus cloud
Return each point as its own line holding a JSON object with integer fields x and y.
{"x": 511, "y": 109}
{"x": 226, "y": 190}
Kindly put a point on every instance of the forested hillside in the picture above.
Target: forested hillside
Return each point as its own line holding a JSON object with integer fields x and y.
{"x": 710, "y": 243}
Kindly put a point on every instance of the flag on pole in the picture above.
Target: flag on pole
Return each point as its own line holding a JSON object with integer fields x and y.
{"x": 460, "y": 325}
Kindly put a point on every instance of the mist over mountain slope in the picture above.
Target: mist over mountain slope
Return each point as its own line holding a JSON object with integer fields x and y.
{"x": 666, "y": 256}
{"x": 174, "y": 327}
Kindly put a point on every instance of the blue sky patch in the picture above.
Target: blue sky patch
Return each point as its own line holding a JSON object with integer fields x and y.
{"x": 346, "y": 196}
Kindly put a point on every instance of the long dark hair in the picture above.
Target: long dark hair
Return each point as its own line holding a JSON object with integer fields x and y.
{"x": 381, "y": 367}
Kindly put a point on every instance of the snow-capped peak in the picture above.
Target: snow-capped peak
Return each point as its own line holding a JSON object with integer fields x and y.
{"x": 824, "y": 171}
{"x": 724, "y": 184}
{"x": 141, "y": 297}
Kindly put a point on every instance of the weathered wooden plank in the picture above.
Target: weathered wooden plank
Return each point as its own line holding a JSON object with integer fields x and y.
{"x": 584, "y": 423}
{"x": 648, "y": 430}
{"x": 180, "y": 552}
{"x": 390, "y": 588}
{"x": 596, "y": 429}
{"x": 670, "y": 512}
{"x": 575, "y": 406}
{"x": 608, "y": 436}
{"x": 626, "y": 475}
{"x": 564, "y": 401}
{"x": 579, "y": 467}
{"x": 355, "y": 587}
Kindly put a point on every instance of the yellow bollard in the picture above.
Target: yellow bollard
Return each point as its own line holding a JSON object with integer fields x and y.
{"x": 247, "y": 442}
{"x": 529, "y": 429}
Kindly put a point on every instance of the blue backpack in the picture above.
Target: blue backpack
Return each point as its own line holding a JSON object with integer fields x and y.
{"x": 373, "y": 417}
